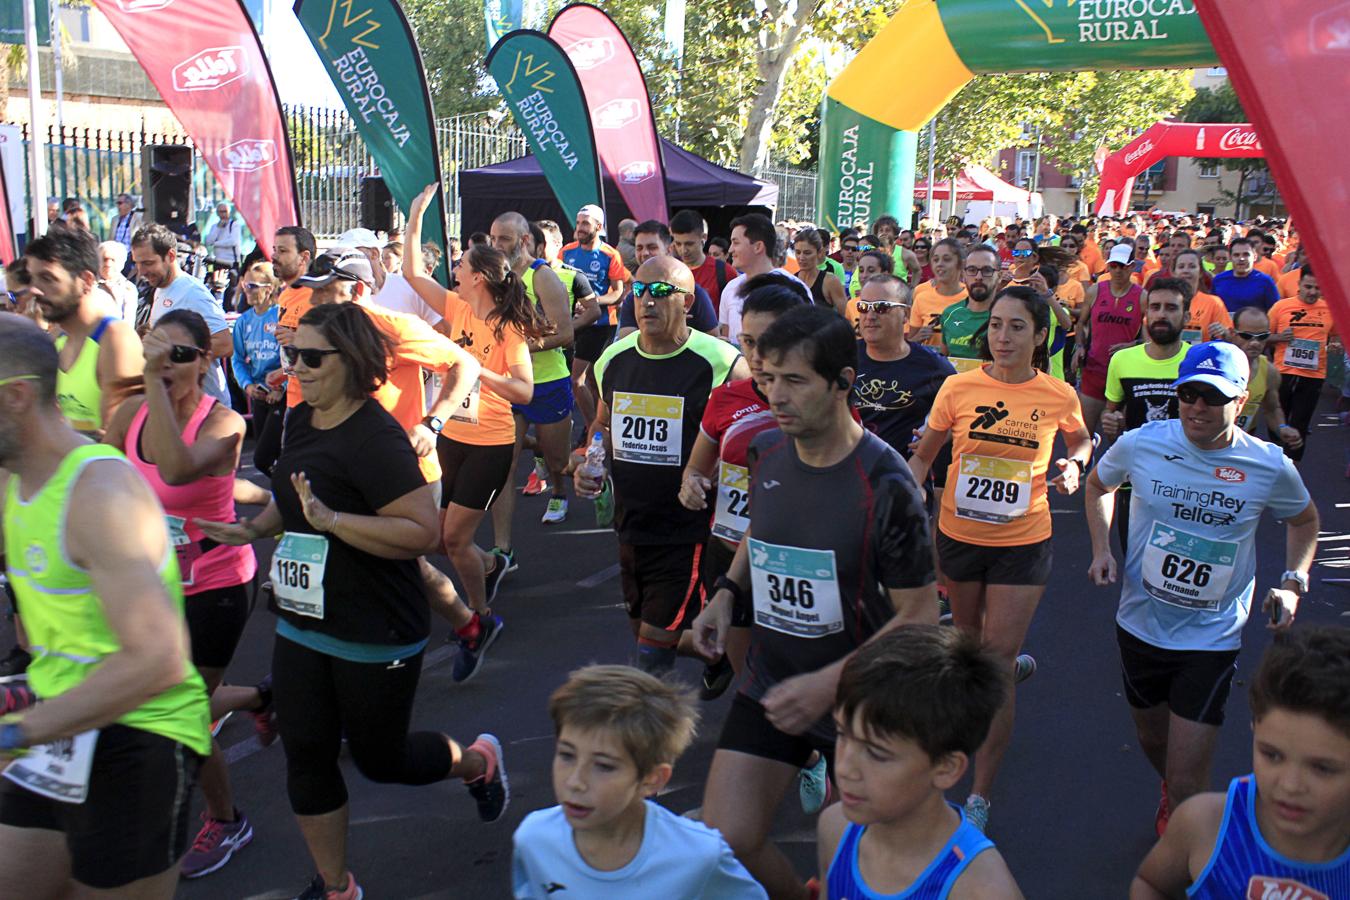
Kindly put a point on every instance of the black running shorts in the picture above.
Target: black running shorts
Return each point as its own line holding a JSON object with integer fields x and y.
{"x": 473, "y": 476}
{"x": 748, "y": 730}
{"x": 216, "y": 620}
{"x": 592, "y": 340}
{"x": 717, "y": 557}
{"x": 1026, "y": 564}
{"x": 1194, "y": 684}
{"x": 661, "y": 584}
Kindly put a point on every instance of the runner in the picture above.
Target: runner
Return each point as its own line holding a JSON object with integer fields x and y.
{"x": 1251, "y": 334}
{"x": 1139, "y": 380}
{"x": 1190, "y": 573}
{"x": 654, "y": 239}
{"x": 112, "y": 750}
{"x": 1110, "y": 321}
{"x": 293, "y": 251}
{"x": 601, "y": 265}
{"x": 963, "y": 324}
{"x": 1209, "y": 319}
{"x": 795, "y": 570}
{"x": 353, "y": 617}
{"x": 754, "y": 245}
{"x": 932, "y": 298}
{"x": 100, "y": 354}
{"x": 186, "y": 444}
{"x": 654, "y": 387}
{"x": 689, "y": 235}
{"x": 994, "y": 525}
{"x": 870, "y": 263}
{"x": 826, "y": 289}
{"x": 1242, "y": 285}
{"x": 1304, "y": 332}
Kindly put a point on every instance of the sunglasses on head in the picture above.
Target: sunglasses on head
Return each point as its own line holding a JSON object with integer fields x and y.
{"x": 184, "y": 353}
{"x": 865, "y": 247}
{"x": 1253, "y": 335}
{"x": 311, "y": 357}
{"x": 255, "y": 285}
{"x": 659, "y": 290}
{"x": 877, "y": 306}
{"x": 1189, "y": 393}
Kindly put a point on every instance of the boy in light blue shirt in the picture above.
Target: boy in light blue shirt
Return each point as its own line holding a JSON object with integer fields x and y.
{"x": 619, "y": 733}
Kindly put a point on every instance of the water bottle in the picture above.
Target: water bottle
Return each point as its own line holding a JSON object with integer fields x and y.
{"x": 594, "y": 466}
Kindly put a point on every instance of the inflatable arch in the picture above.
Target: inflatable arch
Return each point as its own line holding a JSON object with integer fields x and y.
{"x": 1210, "y": 140}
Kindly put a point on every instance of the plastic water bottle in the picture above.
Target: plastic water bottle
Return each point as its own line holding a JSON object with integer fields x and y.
{"x": 594, "y": 466}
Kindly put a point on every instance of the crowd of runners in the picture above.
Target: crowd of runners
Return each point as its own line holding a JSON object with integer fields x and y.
{"x": 827, "y": 459}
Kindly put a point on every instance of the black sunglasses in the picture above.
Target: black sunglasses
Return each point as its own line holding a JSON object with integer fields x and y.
{"x": 1253, "y": 335}
{"x": 312, "y": 358}
{"x": 1189, "y": 393}
{"x": 184, "y": 353}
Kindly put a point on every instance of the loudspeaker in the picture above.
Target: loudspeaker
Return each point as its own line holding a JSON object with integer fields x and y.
{"x": 377, "y": 205}
{"x": 166, "y": 184}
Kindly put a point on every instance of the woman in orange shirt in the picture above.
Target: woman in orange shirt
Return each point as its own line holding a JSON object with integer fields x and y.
{"x": 1208, "y": 318}
{"x": 932, "y": 297}
{"x": 994, "y": 527}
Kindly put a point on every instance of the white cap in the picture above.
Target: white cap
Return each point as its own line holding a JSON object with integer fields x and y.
{"x": 594, "y": 212}
{"x": 1121, "y": 253}
{"x": 359, "y": 237}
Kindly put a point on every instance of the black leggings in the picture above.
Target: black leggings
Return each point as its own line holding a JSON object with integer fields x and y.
{"x": 1298, "y": 399}
{"x": 320, "y": 699}
{"x": 268, "y": 421}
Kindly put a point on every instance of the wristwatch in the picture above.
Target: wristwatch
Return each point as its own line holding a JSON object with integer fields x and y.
{"x": 11, "y": 736}
{"x": 434, "y": 423}
{"x": 723, "y": 583}
{"x": 1298, "y": 578}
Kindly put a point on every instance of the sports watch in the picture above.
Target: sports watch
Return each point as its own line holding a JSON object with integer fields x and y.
{"x": 434, "y": 423}
{"x": 1298, "y": 578}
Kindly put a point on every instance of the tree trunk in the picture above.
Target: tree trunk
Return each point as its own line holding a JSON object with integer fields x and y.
{"x": 1241, "y": 188}
{"x": 782, "y": 31}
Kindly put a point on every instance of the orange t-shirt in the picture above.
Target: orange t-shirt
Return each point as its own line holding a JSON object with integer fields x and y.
{"x": 1206, "y": 309}
{"x": 1287, "y": 283}
{"x": 1079, "y": 271}
{"x": 485, "y": 419}
{"x": 1092, "y": 257}
{"x": 1002, "y": 438}
{"x": 929, "y": 304}
{"x": 294, "y": 303}
{"x": 1071, "y": 294}
{"x": 1313, "y": 327}
{"x": 1269, "y": 266}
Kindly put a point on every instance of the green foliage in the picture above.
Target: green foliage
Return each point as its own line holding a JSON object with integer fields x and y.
{"x": 1221, "y": 104}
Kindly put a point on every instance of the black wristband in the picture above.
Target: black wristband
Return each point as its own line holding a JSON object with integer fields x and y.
{"x": 1082, "y": 466}
{"x": 723, "y": 583}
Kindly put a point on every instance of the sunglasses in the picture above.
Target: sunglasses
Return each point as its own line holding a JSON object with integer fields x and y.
{"x": 184, "y": 353}
{"x": 311, "y": 357}
{"x": 1253, "y": 335}
{"x": 659, "y": 290}
{"x": 985, "y": 272}
{"x": 255, "y": 285}
{"x": 865, "y": 247}
{"x": 918, "y": 246}
{"x": 1209, "y": 396}
{"x": 1023, "y": 254}
{"x": 878, "y": 306}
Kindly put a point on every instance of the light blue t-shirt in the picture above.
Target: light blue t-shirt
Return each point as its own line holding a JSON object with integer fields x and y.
{"x": 186, "y": 292}
{"x": 1191, "y": 568}
{"x": 678, "y": 858}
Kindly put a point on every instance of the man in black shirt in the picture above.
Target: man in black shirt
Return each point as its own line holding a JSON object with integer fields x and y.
{"x": 838, "y": 550}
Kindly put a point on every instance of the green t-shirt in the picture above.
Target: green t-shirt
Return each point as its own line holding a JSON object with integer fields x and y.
{"x": 963, "y": 332}
{"x": 901, "y": 270}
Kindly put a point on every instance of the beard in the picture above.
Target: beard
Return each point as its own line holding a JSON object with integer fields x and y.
{"x": 59, "y": 309}
{"x": 979, "y": 291}
{"x": 1164, "y": 333}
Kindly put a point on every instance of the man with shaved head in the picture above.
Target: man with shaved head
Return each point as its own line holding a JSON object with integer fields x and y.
{"x": 653, "y": 387}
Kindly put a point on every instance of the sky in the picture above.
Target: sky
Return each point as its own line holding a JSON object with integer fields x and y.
{"x": 300, "y": 76}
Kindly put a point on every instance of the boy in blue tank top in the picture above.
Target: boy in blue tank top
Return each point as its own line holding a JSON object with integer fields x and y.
{"x": 1282, "y": 832}
{"x": 913, "y": 706}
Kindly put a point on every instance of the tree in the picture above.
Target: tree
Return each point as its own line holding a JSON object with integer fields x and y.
{"x": 1255, "y": 183}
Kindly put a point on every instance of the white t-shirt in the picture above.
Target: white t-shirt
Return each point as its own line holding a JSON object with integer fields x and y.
{"x": 187, "y": 292}
{"x": 729, "y": 313}
{"x": 400, "y": 296}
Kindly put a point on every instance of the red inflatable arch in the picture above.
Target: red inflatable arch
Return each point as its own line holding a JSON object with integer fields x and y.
{"x": 1166, "y": 139}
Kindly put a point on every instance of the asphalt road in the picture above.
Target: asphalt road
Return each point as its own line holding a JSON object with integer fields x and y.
{"x": 1072, "y": 812}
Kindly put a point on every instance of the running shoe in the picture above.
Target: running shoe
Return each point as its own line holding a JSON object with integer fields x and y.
{"x": 944, "y": 607}
{"x": 604, "y": 505}
{"x": 717, "y": 677}
{"x": 471, "y": 654}
{"x": 1024, "y": 667}
{"x": 538, "y": 479}
{"x": 492, "y": 581}
{"x": 509, "y": 556}
{"x": 318, "y": 891}
{"x": 14, "y": 667}
{"x": 215, "y": 844}
{"x": 556, "y": 512}
{"x": 1164, "y": 811}
{"x": 491, "y": 790}
{"x": 15, "y": 697}
{"x": 218, "y": 724}
{"x": 813, "y": 786}
{"x": 265, "y": 716}
{"x": 977, "y": 812}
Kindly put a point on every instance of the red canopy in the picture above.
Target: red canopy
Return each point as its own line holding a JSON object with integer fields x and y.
{"x": 975, "y": 183}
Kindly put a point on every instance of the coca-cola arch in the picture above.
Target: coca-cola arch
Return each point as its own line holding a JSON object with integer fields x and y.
{"x": 1225, "y": 140}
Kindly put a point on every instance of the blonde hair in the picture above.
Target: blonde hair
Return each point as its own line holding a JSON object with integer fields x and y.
{"x": 264, "y": 268}
{"x": 654, "y": 721}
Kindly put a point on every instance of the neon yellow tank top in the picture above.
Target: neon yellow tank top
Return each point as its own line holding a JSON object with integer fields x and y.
{"x": 549, "y": 365}
{"x": 1256, "y": 392}
{"x": 77, "y": 391}
{"x": 63, "y": 618}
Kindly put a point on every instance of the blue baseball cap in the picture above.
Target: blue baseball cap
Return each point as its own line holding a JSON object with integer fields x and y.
{"x": 1216, "y": 363}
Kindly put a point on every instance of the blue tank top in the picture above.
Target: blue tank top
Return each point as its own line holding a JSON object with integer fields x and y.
{"x": 845, "y": 882}
{"x": 1244, "y": 865}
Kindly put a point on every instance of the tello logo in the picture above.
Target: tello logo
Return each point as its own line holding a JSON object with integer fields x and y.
{"x": 1138, "y": 152}
{"x": 1264, "y": 887}
{"x": 212, "y": 68}
{"x": 249, "y": 155}
{"x": 143, "y": 6}
{"x": 1230, "y": 474}
{"x": 588, "y": 53}
{"x": 1239, "y": 139}
{"x": 617, "y": 113}
{"x": 637, "y": 172}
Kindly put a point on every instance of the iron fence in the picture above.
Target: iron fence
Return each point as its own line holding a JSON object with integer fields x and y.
{"x": 796, "y": 191}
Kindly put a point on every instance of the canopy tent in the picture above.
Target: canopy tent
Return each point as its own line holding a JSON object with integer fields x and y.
{"x": 985, "y": 194}
{"x": 692, "y": 182}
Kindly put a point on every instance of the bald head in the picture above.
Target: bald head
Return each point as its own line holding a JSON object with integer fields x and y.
{"x": 25, "y": 349}
{"x": 667, "y": 269}
{"x": 510, "y": 235}
{"x": 514, "y": 221}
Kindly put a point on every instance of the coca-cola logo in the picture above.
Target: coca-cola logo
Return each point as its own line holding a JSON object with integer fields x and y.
{"x": 588, "y": 53}
{"x": 249, "y": 155}
{"x": 1239, "y": 139}
{"x": 142, "y": 6}
{"x": 1138, "y": 152}
{"x": 214, "y": 67}
{"x": 1264, "y": 887}
{"x": 617, "y": 113}
{"x": 637, "y": 172}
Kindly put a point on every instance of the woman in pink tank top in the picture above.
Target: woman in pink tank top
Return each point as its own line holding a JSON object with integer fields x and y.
{"x": 186, "y": 446}
{"x": 1112, "y": 317}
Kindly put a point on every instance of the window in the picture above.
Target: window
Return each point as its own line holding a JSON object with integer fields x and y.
{"x": 1208, "y": 168}
{"x": 1026, "y": 167}
{"x": 1217, "y": 72}
{"x": 1205, "y": 209}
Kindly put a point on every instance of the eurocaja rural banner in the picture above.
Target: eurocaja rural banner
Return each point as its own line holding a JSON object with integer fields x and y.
{"x": 541, "y": 88}
{"x": 502, "y": 17}
{"x": 371, "y": 55}
{"x": 204, "y": 58}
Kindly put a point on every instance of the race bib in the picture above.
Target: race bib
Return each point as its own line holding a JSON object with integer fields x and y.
{"x": 467, "y": 411}
{"x": 732, "y": 515}
{"x": 298, "y": 565}
{"x": 1302, "y": 353}
{"x": 59, "y": 770}
{"x": 795, "y": 591}
{"x": 1187, "y": 570}
{"x": 648, "y": 428}
{"x": 989, "y": 489}
{"x": 962, "y": 364}
{"x": 187, "y": 550}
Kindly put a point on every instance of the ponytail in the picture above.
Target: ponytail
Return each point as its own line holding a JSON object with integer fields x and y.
{"x": 511, "y": 307}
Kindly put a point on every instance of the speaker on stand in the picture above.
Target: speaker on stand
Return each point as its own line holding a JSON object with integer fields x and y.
{"x": 377, "y": 205}
{"x": 166, "y": 185}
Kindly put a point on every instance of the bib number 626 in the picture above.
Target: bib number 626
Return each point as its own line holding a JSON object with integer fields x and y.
{"x": 1186, "y": 570}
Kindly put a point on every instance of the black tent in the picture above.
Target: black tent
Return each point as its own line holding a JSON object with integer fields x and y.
{"x": 691, "y": 183}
